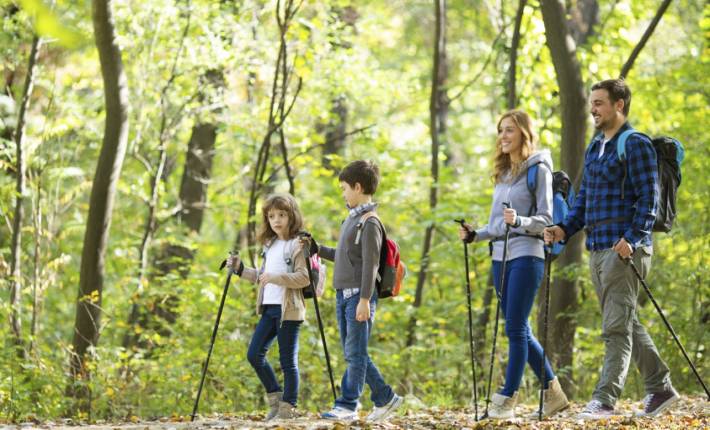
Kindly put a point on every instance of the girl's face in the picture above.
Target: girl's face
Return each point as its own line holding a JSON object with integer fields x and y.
{"x": 510, "y": 137}
{"x": 279, "y": 222}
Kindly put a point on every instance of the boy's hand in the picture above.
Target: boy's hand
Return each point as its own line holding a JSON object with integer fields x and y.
{"x": 362, "y": 313}
{"x": 311, "y": 243}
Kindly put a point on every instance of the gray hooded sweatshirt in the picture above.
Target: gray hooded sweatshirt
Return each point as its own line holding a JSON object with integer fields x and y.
{"x": 517, "y": 193}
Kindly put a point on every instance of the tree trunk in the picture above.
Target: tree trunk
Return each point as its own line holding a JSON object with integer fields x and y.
{"x": 91, "y": 281}
{"x": 512, "y": 79}
{"x": 572, "y": 93}
{"x": 335, "y": 131}
{"x": 16, "y": 247}
{"x": 438, "y": 111}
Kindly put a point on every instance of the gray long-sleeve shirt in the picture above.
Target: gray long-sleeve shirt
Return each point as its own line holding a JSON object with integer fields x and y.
{"x": 356, "y": 265}
{"x": 517, "y": 193}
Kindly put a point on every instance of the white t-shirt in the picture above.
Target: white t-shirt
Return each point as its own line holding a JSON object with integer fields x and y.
{"x": 601, "y": 150}
{"x": 275, "y": 263}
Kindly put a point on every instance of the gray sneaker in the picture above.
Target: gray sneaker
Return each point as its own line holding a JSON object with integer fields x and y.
{"x": 383, "y": 412}
{"x": 656, "y": 403}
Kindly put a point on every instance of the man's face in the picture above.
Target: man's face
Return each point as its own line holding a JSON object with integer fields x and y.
{"x": 603, "y": 111}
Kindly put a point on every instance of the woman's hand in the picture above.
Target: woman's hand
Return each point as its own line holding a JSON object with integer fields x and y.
{"x": 510, "y": 217}
{"x": 464, "y": 231}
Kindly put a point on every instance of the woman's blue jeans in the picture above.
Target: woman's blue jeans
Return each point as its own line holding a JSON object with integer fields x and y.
{"x": 522, "y": 280}
{"x": 268, "y": 329}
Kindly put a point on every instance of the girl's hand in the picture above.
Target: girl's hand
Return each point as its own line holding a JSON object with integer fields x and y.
{"x": 510, "y": 217}
{"x": 265, "y": 278}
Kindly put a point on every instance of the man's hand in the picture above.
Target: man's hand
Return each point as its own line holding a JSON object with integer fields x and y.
{"x": 553, "y": 234}
{"x": 510, "y": 217}
{"x": 623, "y": 248}
{"x": 362, "y": 313}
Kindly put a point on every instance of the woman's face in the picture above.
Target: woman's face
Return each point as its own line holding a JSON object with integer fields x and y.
{"x": 510, "y": 137}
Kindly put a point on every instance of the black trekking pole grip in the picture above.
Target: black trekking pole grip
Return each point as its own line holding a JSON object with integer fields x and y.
{"x": 307, "y": 256}
{"x": 470, "y": 321}
{"x": 630, "y": 262}
{"x": 214, "y": 337}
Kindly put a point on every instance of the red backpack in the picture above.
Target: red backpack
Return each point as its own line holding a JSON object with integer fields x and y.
{"x": 392, "y": 270}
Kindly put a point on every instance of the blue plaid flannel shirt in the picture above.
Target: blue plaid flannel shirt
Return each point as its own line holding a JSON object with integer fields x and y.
{"x": 599, "y": 197}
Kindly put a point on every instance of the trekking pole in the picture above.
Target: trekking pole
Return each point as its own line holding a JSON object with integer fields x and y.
{"x": 470, "y": 321}
{"x": 548, "y": 267}
{"x": 500, "y": 301}
{"x": 307, "y": 255}
{"x": 214, "y": 335}
{"x": 630, "y": 262}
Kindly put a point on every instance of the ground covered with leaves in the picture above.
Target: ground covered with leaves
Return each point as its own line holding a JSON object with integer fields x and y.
{"x": 690, "y": 413}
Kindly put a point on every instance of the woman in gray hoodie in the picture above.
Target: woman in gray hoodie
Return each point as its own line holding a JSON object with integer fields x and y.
{"x": 527, "y": 216}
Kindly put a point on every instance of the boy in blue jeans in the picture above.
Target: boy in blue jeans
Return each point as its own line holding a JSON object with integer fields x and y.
{"x": 357, "y": 258}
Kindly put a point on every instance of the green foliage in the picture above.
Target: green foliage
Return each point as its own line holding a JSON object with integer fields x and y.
{"x": 377, "y": 57}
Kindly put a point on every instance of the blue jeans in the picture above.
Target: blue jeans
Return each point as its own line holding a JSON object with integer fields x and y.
{"x": 354, "y": 336}
{"x": 522, "y": 280}
{"x": 269, "y": 328}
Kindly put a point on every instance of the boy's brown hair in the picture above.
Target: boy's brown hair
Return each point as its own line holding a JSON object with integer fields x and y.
{"x": 285, "y": 202}
{"x": 365, "y": 173}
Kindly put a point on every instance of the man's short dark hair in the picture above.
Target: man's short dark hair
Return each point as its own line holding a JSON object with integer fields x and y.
{"x": 618, "y": 90}
{"x": 365, "y": 173}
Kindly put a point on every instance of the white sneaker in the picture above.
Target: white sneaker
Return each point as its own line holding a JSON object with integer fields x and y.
{"x": 383, "y": 412}
{"x": 502, "y": 407}
{"x": 339, "y": 414}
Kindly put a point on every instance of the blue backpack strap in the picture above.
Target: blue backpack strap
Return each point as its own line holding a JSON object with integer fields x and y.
{"x": 532, "y": 186}
{"x": 621, "y": 143}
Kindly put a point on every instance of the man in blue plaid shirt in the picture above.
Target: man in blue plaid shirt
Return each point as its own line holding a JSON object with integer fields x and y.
{"x": 616, "y": 206}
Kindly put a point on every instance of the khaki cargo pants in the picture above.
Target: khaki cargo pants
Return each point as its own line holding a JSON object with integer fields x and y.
{"x": 624, "y": 337}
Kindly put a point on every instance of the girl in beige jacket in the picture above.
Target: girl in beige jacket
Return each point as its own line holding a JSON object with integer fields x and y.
{"x": 281, "y": 279}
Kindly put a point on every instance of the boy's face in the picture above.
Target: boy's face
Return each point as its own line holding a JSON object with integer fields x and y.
{"x": 603, "y": 110}
{"x": 352, "y": 195}
{"x": 279, "y": 221}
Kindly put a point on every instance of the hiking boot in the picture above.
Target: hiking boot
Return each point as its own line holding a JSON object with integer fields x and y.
{"x": 656, "y": 403}
{"x": 383, "y": 412}
{"x": 596, "y": 410}
{"x": 286, "y": 411}
{"x": 273, "y": 399}
{"x": 339, "y": 413}
{"x": 502, "y": 407}
{"x": 554, "y": 400}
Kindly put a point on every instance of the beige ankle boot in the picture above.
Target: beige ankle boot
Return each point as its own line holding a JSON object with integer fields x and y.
{"x": 502, "y": 407}
{"x": 554, "y": 400}
{"x": 274, "y": 399}
{"x": 286, "y": 411}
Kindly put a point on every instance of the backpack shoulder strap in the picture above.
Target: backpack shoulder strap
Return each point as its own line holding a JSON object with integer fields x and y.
{"x": 621, "y": 144}
{"x": 532, "y": 184}
{"x": 363, "y": 219}
{"x": 289, "y": 249}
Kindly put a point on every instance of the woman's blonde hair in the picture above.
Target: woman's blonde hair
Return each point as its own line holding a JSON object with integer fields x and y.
{"x": 502, "y": 162}
{"x": 285, "y": 202}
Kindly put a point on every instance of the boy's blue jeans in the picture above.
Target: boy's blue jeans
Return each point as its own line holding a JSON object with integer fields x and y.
{"x": 522, "y": 280}
{"x": 268, "y": 329}
{"x": 354, "y": 336}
